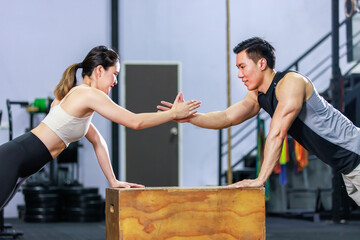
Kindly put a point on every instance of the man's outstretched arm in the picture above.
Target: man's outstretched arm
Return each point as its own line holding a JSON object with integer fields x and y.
{"x": 235, "y": 114}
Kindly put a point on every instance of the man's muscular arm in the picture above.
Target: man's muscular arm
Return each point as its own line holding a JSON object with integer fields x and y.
{"x": 291, "y": 93}
{"x": 235, "y": 114}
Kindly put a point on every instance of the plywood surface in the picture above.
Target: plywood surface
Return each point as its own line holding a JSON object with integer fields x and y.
{"x": 185, "y": 213}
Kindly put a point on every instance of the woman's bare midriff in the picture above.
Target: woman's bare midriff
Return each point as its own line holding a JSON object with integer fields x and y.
{"x": 52, "y": 142}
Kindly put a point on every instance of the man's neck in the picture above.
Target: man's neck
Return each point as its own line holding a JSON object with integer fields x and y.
{"x": 269, "y": 75}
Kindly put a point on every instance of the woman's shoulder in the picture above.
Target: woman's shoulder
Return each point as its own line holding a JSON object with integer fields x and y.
{"x": 90, "y": 96}
{"x": 55, "y": 102}
{"x": 84, "y": 97}
{"x": 85, "y": 90}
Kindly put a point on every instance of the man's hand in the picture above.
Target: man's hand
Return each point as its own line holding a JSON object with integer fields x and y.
{"x": 247, "y": 183}
{"x": 119, "y": 184}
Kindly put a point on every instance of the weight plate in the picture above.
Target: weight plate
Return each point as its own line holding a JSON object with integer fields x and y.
{"x": 82, "y": 211}
{"x": 42, "y": 204}
{"x": 78, "y": 190}
{"x": 82, "y": 198}
{"x": 39, "y": 189}
{"x": 84, "y": 204}
{"x": 41, "y": 197}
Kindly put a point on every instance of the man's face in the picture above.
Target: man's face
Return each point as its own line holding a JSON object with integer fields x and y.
{"x": 249, "y": 71}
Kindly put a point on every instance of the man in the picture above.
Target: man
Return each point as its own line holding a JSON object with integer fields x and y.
{"x": 296, "y": 108}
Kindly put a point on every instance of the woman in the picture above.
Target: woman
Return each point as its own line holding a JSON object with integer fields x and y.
{"x": 70, "y": 119}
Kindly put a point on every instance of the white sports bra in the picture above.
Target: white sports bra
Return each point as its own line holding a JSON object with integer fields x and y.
{"x": 67, "y": 127}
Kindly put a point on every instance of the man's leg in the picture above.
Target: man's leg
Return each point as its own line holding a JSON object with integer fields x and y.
{"x": 352, "y": 183}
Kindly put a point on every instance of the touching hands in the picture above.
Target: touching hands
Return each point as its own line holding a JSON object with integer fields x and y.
{"x": 247, "y": 183}
{"x": 119, "y": 184}
{"x": 184, "y": 110}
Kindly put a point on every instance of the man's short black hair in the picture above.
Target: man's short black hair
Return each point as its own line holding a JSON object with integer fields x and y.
{"x": 257, "y": 48}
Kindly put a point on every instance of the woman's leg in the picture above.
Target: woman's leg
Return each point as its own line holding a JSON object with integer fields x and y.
{"x": 9, "y": 165}
{"x": 19, "y": 159}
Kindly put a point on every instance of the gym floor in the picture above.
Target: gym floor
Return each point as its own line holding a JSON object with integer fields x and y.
{"x": 277, "y": 228}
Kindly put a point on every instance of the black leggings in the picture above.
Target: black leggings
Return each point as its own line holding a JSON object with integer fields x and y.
{"x": 19, "y": 159}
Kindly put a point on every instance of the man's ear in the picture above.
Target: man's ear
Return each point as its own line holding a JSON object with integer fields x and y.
{"x": 262, "y": 64}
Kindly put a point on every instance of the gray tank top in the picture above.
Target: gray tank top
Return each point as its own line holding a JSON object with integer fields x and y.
{"x": 321, "y": 129}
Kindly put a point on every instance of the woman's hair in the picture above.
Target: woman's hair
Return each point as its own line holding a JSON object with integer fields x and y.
{"x": 100, "y": 55}
{"x": 257, "y": 48}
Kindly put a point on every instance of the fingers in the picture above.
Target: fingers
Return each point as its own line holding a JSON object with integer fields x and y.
{"x": 178, "y": 97}
{"x": 134, "y": 185}
{"x": 182, "y": 120}
{"x": 167, "y": 104}
{"x": 240, "y": 184}
{"x": 182, "y": 98}
{"x": 120, "y": 184}
{"x": 194, "y": 107}
{"x": 193, "y": 112}
{"x": 233, "y": 186}
{"x": 194, "y": 104}
{"x": 246, "y": 183}
{"x": 162, "y": 108}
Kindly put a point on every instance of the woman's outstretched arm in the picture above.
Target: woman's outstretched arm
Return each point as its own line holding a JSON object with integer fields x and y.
{"x": 102, "y": 104}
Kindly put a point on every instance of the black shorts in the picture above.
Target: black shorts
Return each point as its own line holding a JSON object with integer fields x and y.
{"x": 19, "y": 159}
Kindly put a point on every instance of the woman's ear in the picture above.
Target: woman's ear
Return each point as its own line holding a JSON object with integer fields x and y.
{"x": 99, "y": 71}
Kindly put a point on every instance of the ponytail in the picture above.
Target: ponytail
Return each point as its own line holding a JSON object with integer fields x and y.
{"x": 67, "y": 82}
{"x": 99, "y": 55}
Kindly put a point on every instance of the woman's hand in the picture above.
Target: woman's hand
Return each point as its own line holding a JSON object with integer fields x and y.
{"x": 119, "y": 184}
{"x": 167, "y": 108}
{"x": 183, "y": 110}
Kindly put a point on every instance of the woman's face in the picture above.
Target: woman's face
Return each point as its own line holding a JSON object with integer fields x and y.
{"x": 108, "y": 78}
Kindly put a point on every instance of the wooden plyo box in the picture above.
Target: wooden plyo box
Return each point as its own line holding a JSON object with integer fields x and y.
{"x": 185, "y": 213}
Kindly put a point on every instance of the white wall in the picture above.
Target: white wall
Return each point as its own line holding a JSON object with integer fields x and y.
{"x": 41, "y": 38}
{"x": 193, "y": 32}
{"x": 183, "y": 31}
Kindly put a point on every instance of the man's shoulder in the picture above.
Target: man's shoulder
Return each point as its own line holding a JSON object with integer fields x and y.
{"x": 293, "y": 74}
{"x": 293, "y": 78}
{"x": 292, "y": 86}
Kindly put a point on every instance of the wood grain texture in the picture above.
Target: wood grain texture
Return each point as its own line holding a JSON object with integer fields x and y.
{"x": 185, "y": 213}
